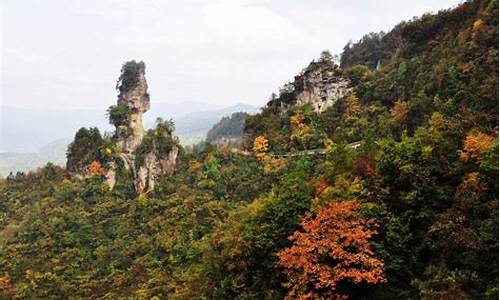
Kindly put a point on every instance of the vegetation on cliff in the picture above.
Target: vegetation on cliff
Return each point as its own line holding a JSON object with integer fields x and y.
{"x": 118, "y": 115}
{"x": 129, "y": 77}
{"x": 159, "y": 140}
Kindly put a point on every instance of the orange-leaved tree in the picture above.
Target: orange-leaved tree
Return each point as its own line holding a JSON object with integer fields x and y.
{"x": 476, "y": 144}
{"x": 332, "y": 250}
{"x": 95, "y": 169}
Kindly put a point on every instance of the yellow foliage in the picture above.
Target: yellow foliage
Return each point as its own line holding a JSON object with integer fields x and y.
{"x": 295, "y": 120}
{"x": 328, "y": 143}
{"x": 475, "y": 145}
{"x": 352, "y": 104}
{"x": 260, "y": 146}
{"x": 142, "y": 198}
{"x": 400, "y": 111}
{"x": 427, "y": 151}
{"x": 195, "y": 166}
{"x": 300, "y": 131}
{"x": 272, "y": 164}
{"x": 478, "y": 25}
{"x": 343, "y": 188}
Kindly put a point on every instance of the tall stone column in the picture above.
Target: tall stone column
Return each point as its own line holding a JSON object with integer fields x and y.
{"x": 134, "y": 95}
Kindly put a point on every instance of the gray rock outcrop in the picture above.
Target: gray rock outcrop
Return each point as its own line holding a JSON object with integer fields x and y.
{"x": 154, "y": 166}
{"x": 321, "y": 85}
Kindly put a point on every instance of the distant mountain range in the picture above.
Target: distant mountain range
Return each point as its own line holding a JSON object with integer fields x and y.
{"x": 30, "y": 138}
{"x": 54, "y": 152}
{"x": 201, "y": 122}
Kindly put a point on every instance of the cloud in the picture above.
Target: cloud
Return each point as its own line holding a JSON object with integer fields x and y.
{"x": 67, "y": 54}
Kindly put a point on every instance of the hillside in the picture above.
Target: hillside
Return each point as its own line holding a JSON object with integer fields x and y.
{"x": 400, "y": 201}
{"x": 228, "y": 129}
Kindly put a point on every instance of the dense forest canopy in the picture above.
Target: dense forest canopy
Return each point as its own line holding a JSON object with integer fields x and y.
{"x": 410, "y": 212}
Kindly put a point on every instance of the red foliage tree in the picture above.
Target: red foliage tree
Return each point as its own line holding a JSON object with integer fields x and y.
{"x": 333, "y": 249}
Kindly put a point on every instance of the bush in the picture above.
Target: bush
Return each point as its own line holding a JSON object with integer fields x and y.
{"x": 118, "y": 114}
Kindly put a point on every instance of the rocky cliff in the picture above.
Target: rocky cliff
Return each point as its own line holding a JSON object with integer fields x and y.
{"x": 132, "y": 158}
{"x": 145, "y": 155}
{"x": 321, "y": 84}
{"x": 134, "y": 96}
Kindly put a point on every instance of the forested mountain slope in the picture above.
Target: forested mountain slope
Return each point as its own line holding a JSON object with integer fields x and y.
{"x": 412, "y": 213}
{"x": 228, "y": 129}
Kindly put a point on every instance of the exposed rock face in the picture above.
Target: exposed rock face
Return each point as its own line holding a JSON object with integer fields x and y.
{"x": 111, "y": 176}
{"x": 130, "y": 133}
{"x": 320, "y": 85}
{"x": 137, "y": 100}
{"x": 154, "y": 166}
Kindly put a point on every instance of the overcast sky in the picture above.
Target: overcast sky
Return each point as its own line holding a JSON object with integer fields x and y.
{"x": 67, "y": 54}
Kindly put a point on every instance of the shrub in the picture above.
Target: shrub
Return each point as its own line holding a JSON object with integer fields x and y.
{"x": 118, "y": 114}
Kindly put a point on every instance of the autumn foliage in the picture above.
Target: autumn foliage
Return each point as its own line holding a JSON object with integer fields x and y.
{"x": 332, "y": 250}
{"x": 475, "y": 144}
{"x": 272, "y": 163}
{"x": 352, "y": 104}
{"x": 400, "y": 111}
{"x": 260, "y": 146}
{"x": 95, "y": 169}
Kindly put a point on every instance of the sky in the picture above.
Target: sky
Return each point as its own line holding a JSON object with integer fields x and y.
{"x": 66, "y": 55}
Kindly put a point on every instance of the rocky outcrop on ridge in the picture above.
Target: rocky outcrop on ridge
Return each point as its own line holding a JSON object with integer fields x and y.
{"x": 321, "y": 84}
